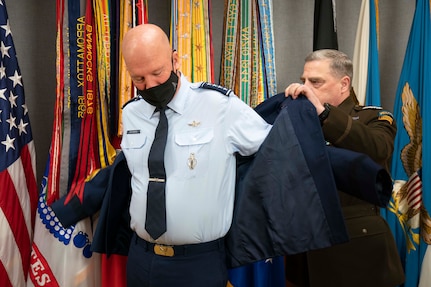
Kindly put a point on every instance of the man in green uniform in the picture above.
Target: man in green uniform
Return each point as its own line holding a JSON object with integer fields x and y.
{"x": 370, "y": 258}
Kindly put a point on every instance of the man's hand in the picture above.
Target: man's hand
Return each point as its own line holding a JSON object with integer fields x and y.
{"x": 296, "y": 89}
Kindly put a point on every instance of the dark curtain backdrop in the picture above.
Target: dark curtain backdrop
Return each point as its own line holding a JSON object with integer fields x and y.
{"x": 33, "y": 27}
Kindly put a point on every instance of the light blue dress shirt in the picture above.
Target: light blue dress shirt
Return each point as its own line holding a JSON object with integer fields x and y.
{"x": 206, "y": 129}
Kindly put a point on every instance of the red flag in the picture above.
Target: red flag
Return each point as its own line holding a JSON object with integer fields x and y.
{"x": 18, "y": 188}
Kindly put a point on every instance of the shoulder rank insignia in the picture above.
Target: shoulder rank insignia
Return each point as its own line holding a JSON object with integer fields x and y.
{"x": 134, "y": 99}
{"x": 215, "y": 87}
{"x": 386, "y": 116}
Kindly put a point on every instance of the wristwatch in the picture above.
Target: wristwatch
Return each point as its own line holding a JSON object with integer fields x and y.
{"x": 323, "y": 115}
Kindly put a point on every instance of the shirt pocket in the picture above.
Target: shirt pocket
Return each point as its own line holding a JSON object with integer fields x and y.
{"x": 194, "y": 149}
{"x": 135, "y": 148}
{"x": 365, "y": 226}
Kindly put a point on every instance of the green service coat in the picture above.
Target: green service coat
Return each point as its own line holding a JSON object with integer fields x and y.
{"x": 371, "y": 257}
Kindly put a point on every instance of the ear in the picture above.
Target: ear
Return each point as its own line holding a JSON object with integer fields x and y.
{"x": 175, "y": 61}
{"x": 345, "y": 84}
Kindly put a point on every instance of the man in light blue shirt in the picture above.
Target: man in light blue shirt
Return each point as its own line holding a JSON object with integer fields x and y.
{"x": 207, "y": 125}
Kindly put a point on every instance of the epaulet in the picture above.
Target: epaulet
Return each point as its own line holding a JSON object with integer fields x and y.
{"x": 383, "y": 115}
{"x": 134, "y": 99}
{"x": 361, "y": 108}
{"x": 218, "y": 88}
{"x": 371, "y": 108}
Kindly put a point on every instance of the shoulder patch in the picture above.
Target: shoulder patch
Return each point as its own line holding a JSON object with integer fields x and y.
{"x": 218, "y": 88}
{"x": 134, "y": 99}
{"x": 386, "y": 116}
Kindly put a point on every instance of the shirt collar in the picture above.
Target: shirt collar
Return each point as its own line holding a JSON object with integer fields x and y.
{"x": 178, "y": 102}
{"x": 347, "y": 104}
{"x": 147, "y": 109}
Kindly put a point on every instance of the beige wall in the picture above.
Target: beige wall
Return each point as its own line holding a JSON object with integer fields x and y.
{"x": 33, "y": 27}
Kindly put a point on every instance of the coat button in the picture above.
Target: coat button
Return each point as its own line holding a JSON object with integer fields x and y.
{"x": 364, "y": 230}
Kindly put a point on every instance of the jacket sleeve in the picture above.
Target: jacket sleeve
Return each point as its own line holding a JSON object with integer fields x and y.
{"x": 358, "y": 175}
{"x": 286, "y": 198}
{"x": 354, "y": 169}
{"x": 71, "y": 209}
{"x": 366, "y": 130}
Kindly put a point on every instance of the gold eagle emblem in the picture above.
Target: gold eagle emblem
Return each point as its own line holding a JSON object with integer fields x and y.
{"x": 407, "y": 196}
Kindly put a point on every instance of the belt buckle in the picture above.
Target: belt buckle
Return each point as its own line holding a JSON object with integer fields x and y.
{"x": 164, "y": 250}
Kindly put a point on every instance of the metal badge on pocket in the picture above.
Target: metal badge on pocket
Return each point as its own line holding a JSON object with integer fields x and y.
{"x": 191, "y": 162}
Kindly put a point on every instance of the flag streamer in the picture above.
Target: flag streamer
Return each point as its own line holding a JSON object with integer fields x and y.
{"x": 191, "y": 36}
{"x": 248, "y": 65}
{"x": 104, "y": 79}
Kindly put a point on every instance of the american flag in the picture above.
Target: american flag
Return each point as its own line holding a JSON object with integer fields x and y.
{"x": 18, "y": 187}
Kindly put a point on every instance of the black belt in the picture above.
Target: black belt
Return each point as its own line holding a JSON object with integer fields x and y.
{"x": 177, "y": 250}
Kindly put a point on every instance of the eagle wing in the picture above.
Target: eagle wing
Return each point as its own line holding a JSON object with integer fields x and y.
{"x": 411, "y": 154}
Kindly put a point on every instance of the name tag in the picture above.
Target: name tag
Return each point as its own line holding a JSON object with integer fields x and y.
{"x": 131, "y": 132}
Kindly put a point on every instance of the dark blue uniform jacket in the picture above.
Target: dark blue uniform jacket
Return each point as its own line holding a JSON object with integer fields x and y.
{"x": 286, "y": 194}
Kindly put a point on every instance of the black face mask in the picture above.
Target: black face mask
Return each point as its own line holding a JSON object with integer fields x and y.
{"x": 162, "y": 94}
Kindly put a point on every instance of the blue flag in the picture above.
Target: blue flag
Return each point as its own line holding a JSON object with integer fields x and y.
{"x": 408, "y": 212}
{"x": 372, "y": 97}
{"x": 263, "y": 273}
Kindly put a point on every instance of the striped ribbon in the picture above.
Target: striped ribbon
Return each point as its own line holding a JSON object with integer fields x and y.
{"x": 173, "y": 36}
{"x": 141, "y": 11}
{"x": 228, "y": 71}
{"x": 86, "y": 160}
{"x": 125, "y": 90}
{"x": 66, "y": 114}
{"x": 75, "y": 98}
{"x": 182, "y": 35}
{"x": 192, "y": 38}
{"x": 103, "y": 40}
{"x": 199, "y": 63}
{"x": 248, "y": 63}
{"x": 56, "y": 140}
{"x": 245, "y": 35}
{"x": 255, "y": 58}
{"x": 267, "y": 41}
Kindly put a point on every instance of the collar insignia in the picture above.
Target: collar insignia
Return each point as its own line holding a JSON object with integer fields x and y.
{"x": 194, "y": 124}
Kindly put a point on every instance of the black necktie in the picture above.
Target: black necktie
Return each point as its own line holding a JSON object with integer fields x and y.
{"x": 155, "y": 222}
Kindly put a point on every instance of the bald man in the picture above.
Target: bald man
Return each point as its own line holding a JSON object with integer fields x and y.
{"x": 207, "y": 125}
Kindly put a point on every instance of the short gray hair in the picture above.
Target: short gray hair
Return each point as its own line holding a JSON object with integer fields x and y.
{"x": 341, "y": 65}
